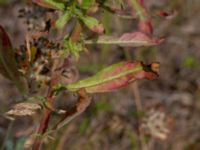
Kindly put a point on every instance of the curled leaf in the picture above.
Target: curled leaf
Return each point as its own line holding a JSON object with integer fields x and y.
{"x": 132, "y": 39}
{"x": 8, "y": 65}
{"x": 83, "y": 102}
{"x": 116, "y": 76}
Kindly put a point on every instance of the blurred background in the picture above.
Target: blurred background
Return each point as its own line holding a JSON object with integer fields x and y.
{"x": 147, "y": 115}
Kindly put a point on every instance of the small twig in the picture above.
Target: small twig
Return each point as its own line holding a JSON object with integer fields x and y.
{"x": 44, "y": 122}
{"x": 136, "y": 94}
{"x": 28, "y": 47}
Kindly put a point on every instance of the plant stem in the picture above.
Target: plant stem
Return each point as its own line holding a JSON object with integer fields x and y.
{"x": 50, "y": 98}
{"x": 140, "y": 10}
{"x": 44, "y": 122}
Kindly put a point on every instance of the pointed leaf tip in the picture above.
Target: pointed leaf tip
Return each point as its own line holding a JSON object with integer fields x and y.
{"x": 140, "y": 39}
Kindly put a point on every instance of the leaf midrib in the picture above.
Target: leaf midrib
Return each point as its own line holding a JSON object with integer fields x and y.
{"x": 79, "y": 85}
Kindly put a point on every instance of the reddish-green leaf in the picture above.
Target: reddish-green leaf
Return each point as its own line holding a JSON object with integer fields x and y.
{"x": 52, "y": 4}
{"x": 8, "y": 65}
{"x": 132, "y": 39}
{"x": 92, "y": 23}
{"x": 116, "y": 76}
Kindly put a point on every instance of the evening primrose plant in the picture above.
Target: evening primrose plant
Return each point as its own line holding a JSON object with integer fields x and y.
{"x": 43, "y": 62}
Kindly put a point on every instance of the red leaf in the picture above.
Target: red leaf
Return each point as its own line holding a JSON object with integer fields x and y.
{"x": 142, "y": 38}
{"x": 116, "y": 76}
{"x": 146, "y": 26}
{"x": 98, "y": 29}
{"x": 5, "y": 44}
{"x": 8, "y": 65}
{"x": 131, "y": 39}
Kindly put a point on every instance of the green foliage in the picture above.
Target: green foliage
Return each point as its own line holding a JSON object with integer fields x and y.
{"x": 114, "y": 77}
{"x": 59, "y": 4}
{"x": 63, "y": 19}
{"x": 51, "y": 60}
{"x": 92, "y": 23}
{"x": 72, "y": 48}
{"x": 86, "y": 4}
{"x": 91, "y": 68}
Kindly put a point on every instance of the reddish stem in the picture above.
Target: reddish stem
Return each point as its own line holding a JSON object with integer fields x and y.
{"x": 47, "y": 112}
{"x": 44, "y": 122}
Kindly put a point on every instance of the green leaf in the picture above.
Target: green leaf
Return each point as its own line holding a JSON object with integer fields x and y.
{"x": 116, "y": 76}
{"x": 86, "y": 4}
{"x": 52, "y": 4}
{"x": 56, "y": 3}
{"x": 92, "y": 23}
{"x": 73, "y": 48}
{"x": 63, "y": 19}
{"x": 8, "y": 65}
